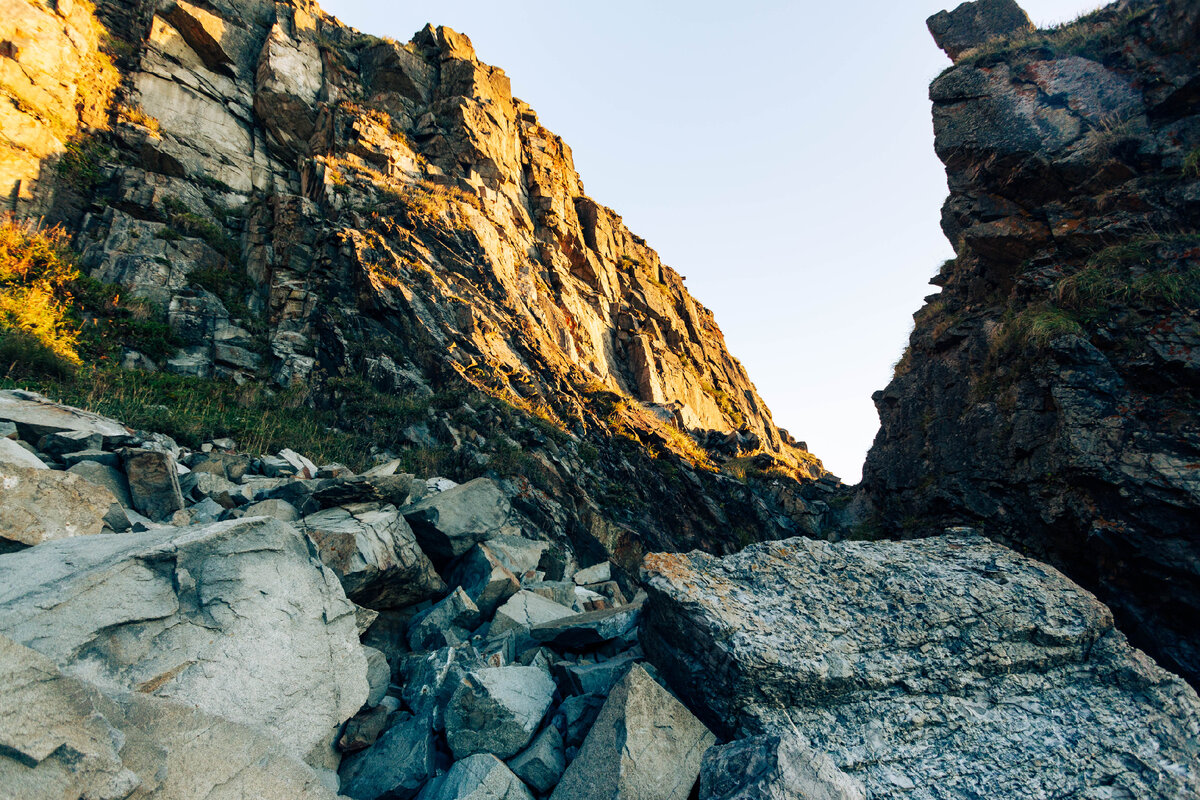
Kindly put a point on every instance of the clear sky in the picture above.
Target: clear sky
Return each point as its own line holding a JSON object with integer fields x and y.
{"x": 779, "y": 154}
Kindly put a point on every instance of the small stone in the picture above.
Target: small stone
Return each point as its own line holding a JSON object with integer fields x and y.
{"x": 524, "y": 610}
{"x": 497, "y": 710}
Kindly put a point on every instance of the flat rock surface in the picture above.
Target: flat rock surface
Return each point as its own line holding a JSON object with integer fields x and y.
{"x": 35, "y": 416}
{"x": 41, "y": 505}
{"x": 236, "y": 618}
{"x": 940, "y": 668}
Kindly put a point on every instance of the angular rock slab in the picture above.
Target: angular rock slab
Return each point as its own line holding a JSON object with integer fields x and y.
{"x": 975, "y": 23}
{"x": 497, "y": 710}
{"x": 447, "y": 622}
{"x": 589, "y": 628}
{"x": 944, "y": 667}
{"x": 63, "y": 737}
{"x": 484, "y": 578}
{"x": 541, "y": 764}
{"x": 479, "y": 777}
{"x": 237, "y": 619}
{"x": 153, "y": 482}
{"x": 645, "y": 743}
{"x": 397, "y": 765}
{"x": 374, "y": 552}
{"x": 35, "y": 416}
{"x": 14, "y": 455}
{"x": 773, "y": 768}
{"x": 448, "y": 523}
{"x": 42, "y": 505}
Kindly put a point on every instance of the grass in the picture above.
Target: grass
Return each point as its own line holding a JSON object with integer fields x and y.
{"x": 82, "y": 164}
{"x": 1093, "y": 36}
{"x": 188, "y": 223}
{"x": 1134, "y": 272}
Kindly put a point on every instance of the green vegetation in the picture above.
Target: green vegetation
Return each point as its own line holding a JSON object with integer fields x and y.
{"x": 81, "y": 166}
{"x": 1134, "y": 272}
{"x": 37, "y": 271}
{"x": 232, "y": 285}
{"x": 1040, "y": 325}
{"x": 1093, "y": 36}
{"x": 1191, "y": 164}
{"x": 188, "y": 223}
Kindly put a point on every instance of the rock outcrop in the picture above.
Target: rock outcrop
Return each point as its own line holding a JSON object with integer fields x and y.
{"x": 1048, "y": 393}
{"x": 944, "y": 667}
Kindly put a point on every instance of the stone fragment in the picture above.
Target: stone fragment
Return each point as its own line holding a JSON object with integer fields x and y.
{"x": 396, "y": 766}
{"x": 63, "y": 737}
{"x": 590, "y": 628}
{"x": 645, "y": 743}
{"x": 42, "y": 505}
{"x": 13, "y": 455}
{"x": 153, "y": 482}
{"x": 205, "y": 512}
{"x": 304, "y": 468}
{"x": 447, "y": 622}
{"x": 363, "y": 729}
{"x": 523, "y": 611}
{"x": 541, "y": 764}
{"x": 596, "y": 677}
{"x": 60, "y": 443}
{"x": 576, "y": 715}
{"x": 430, "y": 679}
{"x": 485, "y": 580}
{"x": 276, "y": 509}
{"x": 34, "y": 416}
{"x": 110, "y": 478}
{"x": 237, "y": 619}
{"x": 479, "y": 777}
{"x": 379, "y": 675}
{"x": 8, "y": 430}
{"x": 974, "y": 23}
{"x": 104, "y": 457}
{"x": 561, "y": 592}
{"x": 448, "y": 523}
{"x": 595, "y": 574}
{"x": 1019, "y": 682}
{"x": 374, "y": 553}
{"x": 497, "y": 710}
{"x": 518, "y": 554}
{"x": 773, "y": 768}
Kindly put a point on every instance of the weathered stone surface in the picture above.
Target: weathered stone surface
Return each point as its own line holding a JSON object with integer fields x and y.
{"x": 110, "y": 478}
{"x": 449, "y": 523}
{"x": 773, "y": 768}
{"x": 396, "y": 766}
{"x": 379, "y": 675}
{"x": 374, "y": 553}
{"x": 479, "y": 777}
{"x": 576, "y": 716}
{"x": 35, "y": 416}
{"x": 541, "y": 764}
{"x": 41, "y": 505}
{"x": 485, "y": 580}
{"x": 276, "y": 509}
{"x": 63, "y": 737}
{"x": 518, "y": 554}
{"x": 645, "y": 743}
{"x": 1021, "y": 684}
{"x": 590, "y": 628}
{"x": 430, "y": 679}
{"x": 153, "y": 483}
{"x": 497, "y": 710}
{"x": 595, "y": 677}
{"x": 447, "y": 622}
{"x": 523, "y": 611}
{"x": 237, "y": 619}
{"x": 974, "y": 23}
{"x": 598, "y": 573}
{"x": 13, "y": 454}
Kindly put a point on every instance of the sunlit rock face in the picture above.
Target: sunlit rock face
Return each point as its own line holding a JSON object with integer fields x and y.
{"x": 308, "y": 205}
{"x": 1048, "y": 396}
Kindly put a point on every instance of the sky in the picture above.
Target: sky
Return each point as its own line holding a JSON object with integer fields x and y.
{"x": 777, "y": 153}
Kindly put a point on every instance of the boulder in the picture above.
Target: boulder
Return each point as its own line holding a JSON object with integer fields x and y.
{"x": 590, "y": 628}
{"x": 497, "y": 710}
{"x": 34, "y": 417}
{"x": 773, "y": 768}
{"x": 42, "y": 505}
{"x": 523, "y": 611}
{"x": 576, "y": 716}
{"x": 447, "y": 622}
{"x": 237, "y": 619}
{"x": 276, "y": 509}
{"x": 430, "y": 680}
{"x": 595, "y": 677}
{"x": 104, "y": 457}
{"x": 481, "y": 777}
{"x": 974, "y": 23}
{"x": 14, "y": 455}
{"x": 153, "y": 482}
{"x": 396, "y": 766}
{"x": 518, "y": 554}
{"x": 645, "y": 743}
{"x": 374, "y": 553}
{"x": 63, "y": 737}
{"x": 449, "y": 523}
{"x": 110, "y": 478}
{"x": 364, "y": 728}
{"x": 948, "y": 667}
{"x": 541, "y": 764}
{"x": 484, "y": 578}
{"x": 595, "y": 574}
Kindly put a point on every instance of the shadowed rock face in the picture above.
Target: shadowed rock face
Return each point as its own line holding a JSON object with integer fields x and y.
{"x": 948, "y": 667}
{"x": 1048, "y": 396}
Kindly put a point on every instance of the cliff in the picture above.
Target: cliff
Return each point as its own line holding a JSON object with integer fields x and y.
{"x": 343, "y": 216}
{"x": 1048, "y": 393}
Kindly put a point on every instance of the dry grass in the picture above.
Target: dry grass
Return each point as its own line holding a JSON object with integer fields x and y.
{"x": 36, "y": 271}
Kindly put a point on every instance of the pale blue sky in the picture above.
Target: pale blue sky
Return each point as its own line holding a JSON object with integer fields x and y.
{"x": 778, "y": 154}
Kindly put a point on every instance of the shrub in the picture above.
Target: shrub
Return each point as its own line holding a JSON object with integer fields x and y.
{"x": 37, "y": 270}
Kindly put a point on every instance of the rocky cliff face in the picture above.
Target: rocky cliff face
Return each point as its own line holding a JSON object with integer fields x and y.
{"x": 1048, "y": 395}
{"x": 316, "y": 207}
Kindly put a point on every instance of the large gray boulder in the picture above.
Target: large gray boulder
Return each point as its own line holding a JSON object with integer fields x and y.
{"x": 541, "y": 764}
{"x": 63, "y": 737}
{"x": 941, "y": 668}
{"x": 497, "y": 710}
{"x": 645, "y": 743}
{"x": 448, "y": 523}
{"x": 35, "y": 416}
{"x": 447, "y": 622}
{"x": 396, "y": 766}
{"x": 521, "y": 612}
{"x": 42, "y": 505}
{"x": 153, "y": 482}
{"x": 238, "y": 619}
{"x": 110, "y": 478}
{"x": 773, "y": 768}
{"x": 484, "y": 578}
{"x": 374, "y": 553}
{"x": 975, "y": 23}
{"x": 480, "y": 777}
